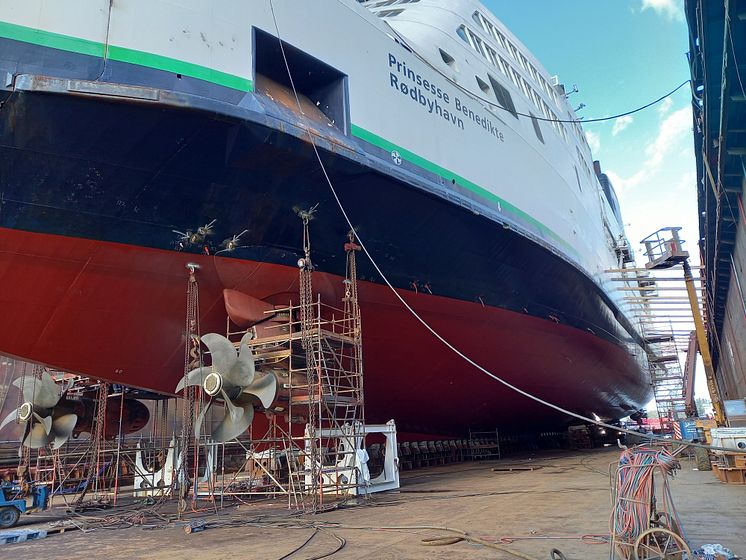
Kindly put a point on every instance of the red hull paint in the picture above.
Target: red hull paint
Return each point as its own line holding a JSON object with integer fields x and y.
{"x": 116, "y": 312}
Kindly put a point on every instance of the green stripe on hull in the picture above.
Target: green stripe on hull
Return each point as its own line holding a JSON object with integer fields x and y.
{"x": 122, "y": 54}
{"x": 49, "y": 39}
{"x": 384, "y": 144}
{"x": 175, "y": 66}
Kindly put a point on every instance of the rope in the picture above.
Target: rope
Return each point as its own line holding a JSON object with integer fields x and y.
{"x": 422, "y": 321}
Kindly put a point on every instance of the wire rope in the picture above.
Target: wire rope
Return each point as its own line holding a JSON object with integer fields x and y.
{"x": 416, "y": 315}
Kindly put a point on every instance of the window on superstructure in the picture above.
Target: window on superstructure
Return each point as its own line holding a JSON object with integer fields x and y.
{"x": 389, "y": 13}
{"x": 447, "y": 58}
{"x": 537, "y": 129}
{"x": 492, "y": 55}
{"x": 502, "y": 39}
{"x": 545, "y": 109}
{"x": 477, "y": 43}
{"x": 482, "y": 85}
{"x": 553, "y": 93}
{"x": 476, "y": 16}
{"x": 562, "y": 130}
{"x": 524, "y": 62}
{"x": 513, "y": 51}
{"x": 461, "y": 32}
{"x": 503, "y": 96}
{"x": 515, "y": 77}
{"x": 536, "y": 99}
{"x": 526, "y": 89}
{"x": 546, "y": 87}
{"x": 505, "y": 66}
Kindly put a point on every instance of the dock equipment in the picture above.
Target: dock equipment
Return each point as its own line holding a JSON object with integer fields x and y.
{"x": 644, "y": 523}
{"x": 14, "y": 502}
{"x": 671, "y": 324}
{"x": 664, "y": 251}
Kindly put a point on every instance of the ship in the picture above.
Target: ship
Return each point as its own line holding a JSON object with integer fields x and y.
{"x": 138, "y": 139}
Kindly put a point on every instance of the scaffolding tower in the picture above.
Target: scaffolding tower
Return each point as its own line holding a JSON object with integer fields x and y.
{"x": 313, "y": 449}
{"x": 658, "y": 300}
{"x": 667, "y": 378}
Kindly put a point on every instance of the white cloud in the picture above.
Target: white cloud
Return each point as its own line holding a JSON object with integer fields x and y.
{"x": 623, "y": 184}
{"x": 672, "y": 128}
{"x": 668, "y": 8}
{"x": 687, "y": 183}
{"x": 672, "y": 137}
{"x": 594, "y": 141}
{"x": 665, "y": 106}
{"x": 621, "y": 123}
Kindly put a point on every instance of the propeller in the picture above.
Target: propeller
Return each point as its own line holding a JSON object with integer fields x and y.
{"x": 45, "y": 424}
{"x": 232, "y": 378}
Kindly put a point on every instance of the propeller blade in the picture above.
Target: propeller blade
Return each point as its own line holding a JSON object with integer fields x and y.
{"x": 221, "y": 351}
{"x": 46, "y": 421}
{"x": 26, "y": 383}
{"x": 243, "y": 371}
{"x": 234, "y": 411}
{"x": 230, "y": 429}
{"x": 46, "y": 392}
{"x": 42, "y": 393}
{"x": 62, "y": 429}
{"x": 9, "y": 418}
{"x": 37, "y": 437}
{"x": 194, "y": 377}
{"x": 26, "y": 430}
{"x": 68, "y": 386}
{"x": 264, "y": 389}
{"x": 201, "y": 419}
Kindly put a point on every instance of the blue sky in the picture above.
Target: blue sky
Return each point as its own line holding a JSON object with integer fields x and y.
{"x": 623, "y": 54}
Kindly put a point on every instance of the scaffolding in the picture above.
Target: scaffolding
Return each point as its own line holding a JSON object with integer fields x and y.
{"x": 667, "y": 378}
{"x": 313, "y": 447}
{"x": 658, "y": 299}
{"x": 307, "y": 447}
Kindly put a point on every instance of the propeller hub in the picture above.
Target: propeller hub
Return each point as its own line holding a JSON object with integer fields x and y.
{"x": 25, "y": 411}
{"x": 213, "y": 383}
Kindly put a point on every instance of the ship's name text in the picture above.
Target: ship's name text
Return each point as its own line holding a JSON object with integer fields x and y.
{"x": 438, "y": 102}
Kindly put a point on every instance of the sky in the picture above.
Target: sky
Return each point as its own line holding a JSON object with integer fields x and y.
{"x": 623, "y": 54}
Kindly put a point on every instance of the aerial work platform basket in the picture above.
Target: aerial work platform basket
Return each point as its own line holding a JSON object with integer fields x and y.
{"x": 664, "y": 249}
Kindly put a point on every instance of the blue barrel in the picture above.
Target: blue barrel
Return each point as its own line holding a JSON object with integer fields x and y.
{"x": 688, "y": 429}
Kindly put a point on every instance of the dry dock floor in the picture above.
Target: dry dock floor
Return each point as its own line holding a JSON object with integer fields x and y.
{"x": 567, "y": 497}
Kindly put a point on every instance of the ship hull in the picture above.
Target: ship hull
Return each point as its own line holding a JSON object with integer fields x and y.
{"x": 116, "y": 312}
{"x": 94, "y": 274}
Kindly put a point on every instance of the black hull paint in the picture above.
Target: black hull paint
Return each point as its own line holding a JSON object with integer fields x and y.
{"x": 133, "y": 172}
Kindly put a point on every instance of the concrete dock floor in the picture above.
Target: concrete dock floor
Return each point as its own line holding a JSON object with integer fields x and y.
{"x": 566, "y": 497}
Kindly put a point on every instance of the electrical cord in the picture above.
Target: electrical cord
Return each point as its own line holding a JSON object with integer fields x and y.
{"x": 544, "y": 119}
{"x": 403, "y": 41}
{"x": 302, "y": 546}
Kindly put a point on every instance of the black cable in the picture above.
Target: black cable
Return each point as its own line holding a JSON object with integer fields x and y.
{"x": 651, "y": 438}
{"x": 342, "y": 542}
{"x": 544, "y": 119}
{"x": 302, "y": 546}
